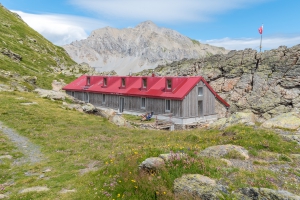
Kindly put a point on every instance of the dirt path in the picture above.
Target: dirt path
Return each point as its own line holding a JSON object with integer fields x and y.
{"x": 32, "y": 153}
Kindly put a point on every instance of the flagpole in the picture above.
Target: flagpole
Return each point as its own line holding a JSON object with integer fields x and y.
{"x": 260, "y": 43}
{"x": 260, "y": 30}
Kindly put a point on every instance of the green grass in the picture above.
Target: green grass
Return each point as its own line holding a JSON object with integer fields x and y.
{"x": 37, "y": 57}
{"x": 70, "y": 140}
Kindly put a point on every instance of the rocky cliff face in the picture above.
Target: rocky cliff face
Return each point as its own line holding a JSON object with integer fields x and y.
{"x": 266, "y": 84}
{"x": 143, "y": 47}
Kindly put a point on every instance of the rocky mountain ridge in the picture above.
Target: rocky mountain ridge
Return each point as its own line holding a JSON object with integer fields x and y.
{"x": 266, "y": 84}
{"x": 135, "y": 49}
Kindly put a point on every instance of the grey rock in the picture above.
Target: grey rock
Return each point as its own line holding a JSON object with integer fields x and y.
{"x": 14, "y": 56}
{"x": 35, "y": 189}
{"x": 247, "y": 118}
{"x": 119, "y": 120}
{"x": 57, "y": 85}
{"x": 289, "y": 120}
{"x": 6, "y": 157}
{"x": 152, "y": 164}
{"x": 198, "y": 186}
{"x": 89, "y": 108}
{"x": 3, "y": 196}
{"x": 30, "y": 79}
{"x": 65, "y": 191}
{"x": 224, "y": 150}
{"x": 265, "y": 193}
{"x": 50, "y": 94}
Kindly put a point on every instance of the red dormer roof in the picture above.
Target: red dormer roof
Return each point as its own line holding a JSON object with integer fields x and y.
{"x": 156, "y": 86}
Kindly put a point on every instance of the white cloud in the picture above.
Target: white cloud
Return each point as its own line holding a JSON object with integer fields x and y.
{"x": 61, "y": 29}
{"x": 162, "y": 11}
{"x": 254, "y": 43}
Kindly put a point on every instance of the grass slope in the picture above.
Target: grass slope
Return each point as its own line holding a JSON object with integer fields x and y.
{"x": 71, "y": 141}
{"x": 38, "y": 54}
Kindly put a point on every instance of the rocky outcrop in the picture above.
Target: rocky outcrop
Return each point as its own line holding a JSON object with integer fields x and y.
{"x": 267, "y": 84}
{"x": 231, "y": 151}
{"x": 14, "y": 56}
{"x": 246, "y": 118}
{"x": 135, "y": 49}
{"x": 284, "y": 121}
{"x": 51, "y": 94}
{"x": 76, "y": 70}
{"x": 198, "y": 186}
{"x": 265, "y": 193}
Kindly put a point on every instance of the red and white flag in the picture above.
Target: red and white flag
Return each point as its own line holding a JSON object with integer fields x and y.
{"x": 260, "y": 30}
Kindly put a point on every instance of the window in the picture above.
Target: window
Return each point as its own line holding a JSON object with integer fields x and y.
{"x": 73, "y": 94}
{"x": 88, "y": 82}
{"x": 144, "y": 83}
{"x": 103, "y": 98}
{"x": 168, "y": 105}
{"x": 200, "y": 91}
{"x": 169, "y": 83}
{"x": 105, "y": 82}
{"x": 86, "y": 97}
{"x": 123, "y": 82}
{"x": 143, "y": 103}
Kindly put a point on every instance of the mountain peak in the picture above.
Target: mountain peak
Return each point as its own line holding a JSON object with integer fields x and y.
{"x": 146, "y": 25}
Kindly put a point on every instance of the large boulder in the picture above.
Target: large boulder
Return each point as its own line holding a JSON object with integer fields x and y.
{"x": 198, "y": 186}
{"x": 57, "y": 85}
{"x": 289, "y": 120}
{"x": 107, "y": 113}
{"x": 50, "y": 94}
{"x": 152, "y": 164}
{"x": 119, "y": 120}
{"x": 265, "y": 193}
{"x": 231, "y": 151}
{"x": 247, "y": 118}
{"x": 89, "y": 108}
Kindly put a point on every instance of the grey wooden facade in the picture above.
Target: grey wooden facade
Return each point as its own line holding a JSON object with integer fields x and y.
{"x": 192, "y": 106}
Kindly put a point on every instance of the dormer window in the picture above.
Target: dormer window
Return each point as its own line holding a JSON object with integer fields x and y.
{"x": 144, "y": 83}
{"x": 123, "y": 82}
{"x": 88, "y": 81}
{"x": 169, "y": 84}
{"x": 200, "y": 91}
{"x": 104, "y": 82}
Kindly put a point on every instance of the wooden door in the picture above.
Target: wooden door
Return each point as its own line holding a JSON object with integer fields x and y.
{"x": 121, "y": 105}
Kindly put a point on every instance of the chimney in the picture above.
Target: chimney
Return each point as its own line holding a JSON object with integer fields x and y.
{"x": 153, "y": 73}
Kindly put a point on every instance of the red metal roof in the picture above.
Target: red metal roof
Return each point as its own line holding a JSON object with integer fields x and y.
{"x": 156, "y": 86}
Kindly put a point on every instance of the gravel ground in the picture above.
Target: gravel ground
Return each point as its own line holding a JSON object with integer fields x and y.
{"x": 32, "y": 153}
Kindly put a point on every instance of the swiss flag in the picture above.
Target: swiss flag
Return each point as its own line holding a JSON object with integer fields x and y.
{"x": 260, "y": 30}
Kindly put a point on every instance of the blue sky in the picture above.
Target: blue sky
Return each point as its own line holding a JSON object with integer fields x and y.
{"x": 232, "y": 24}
